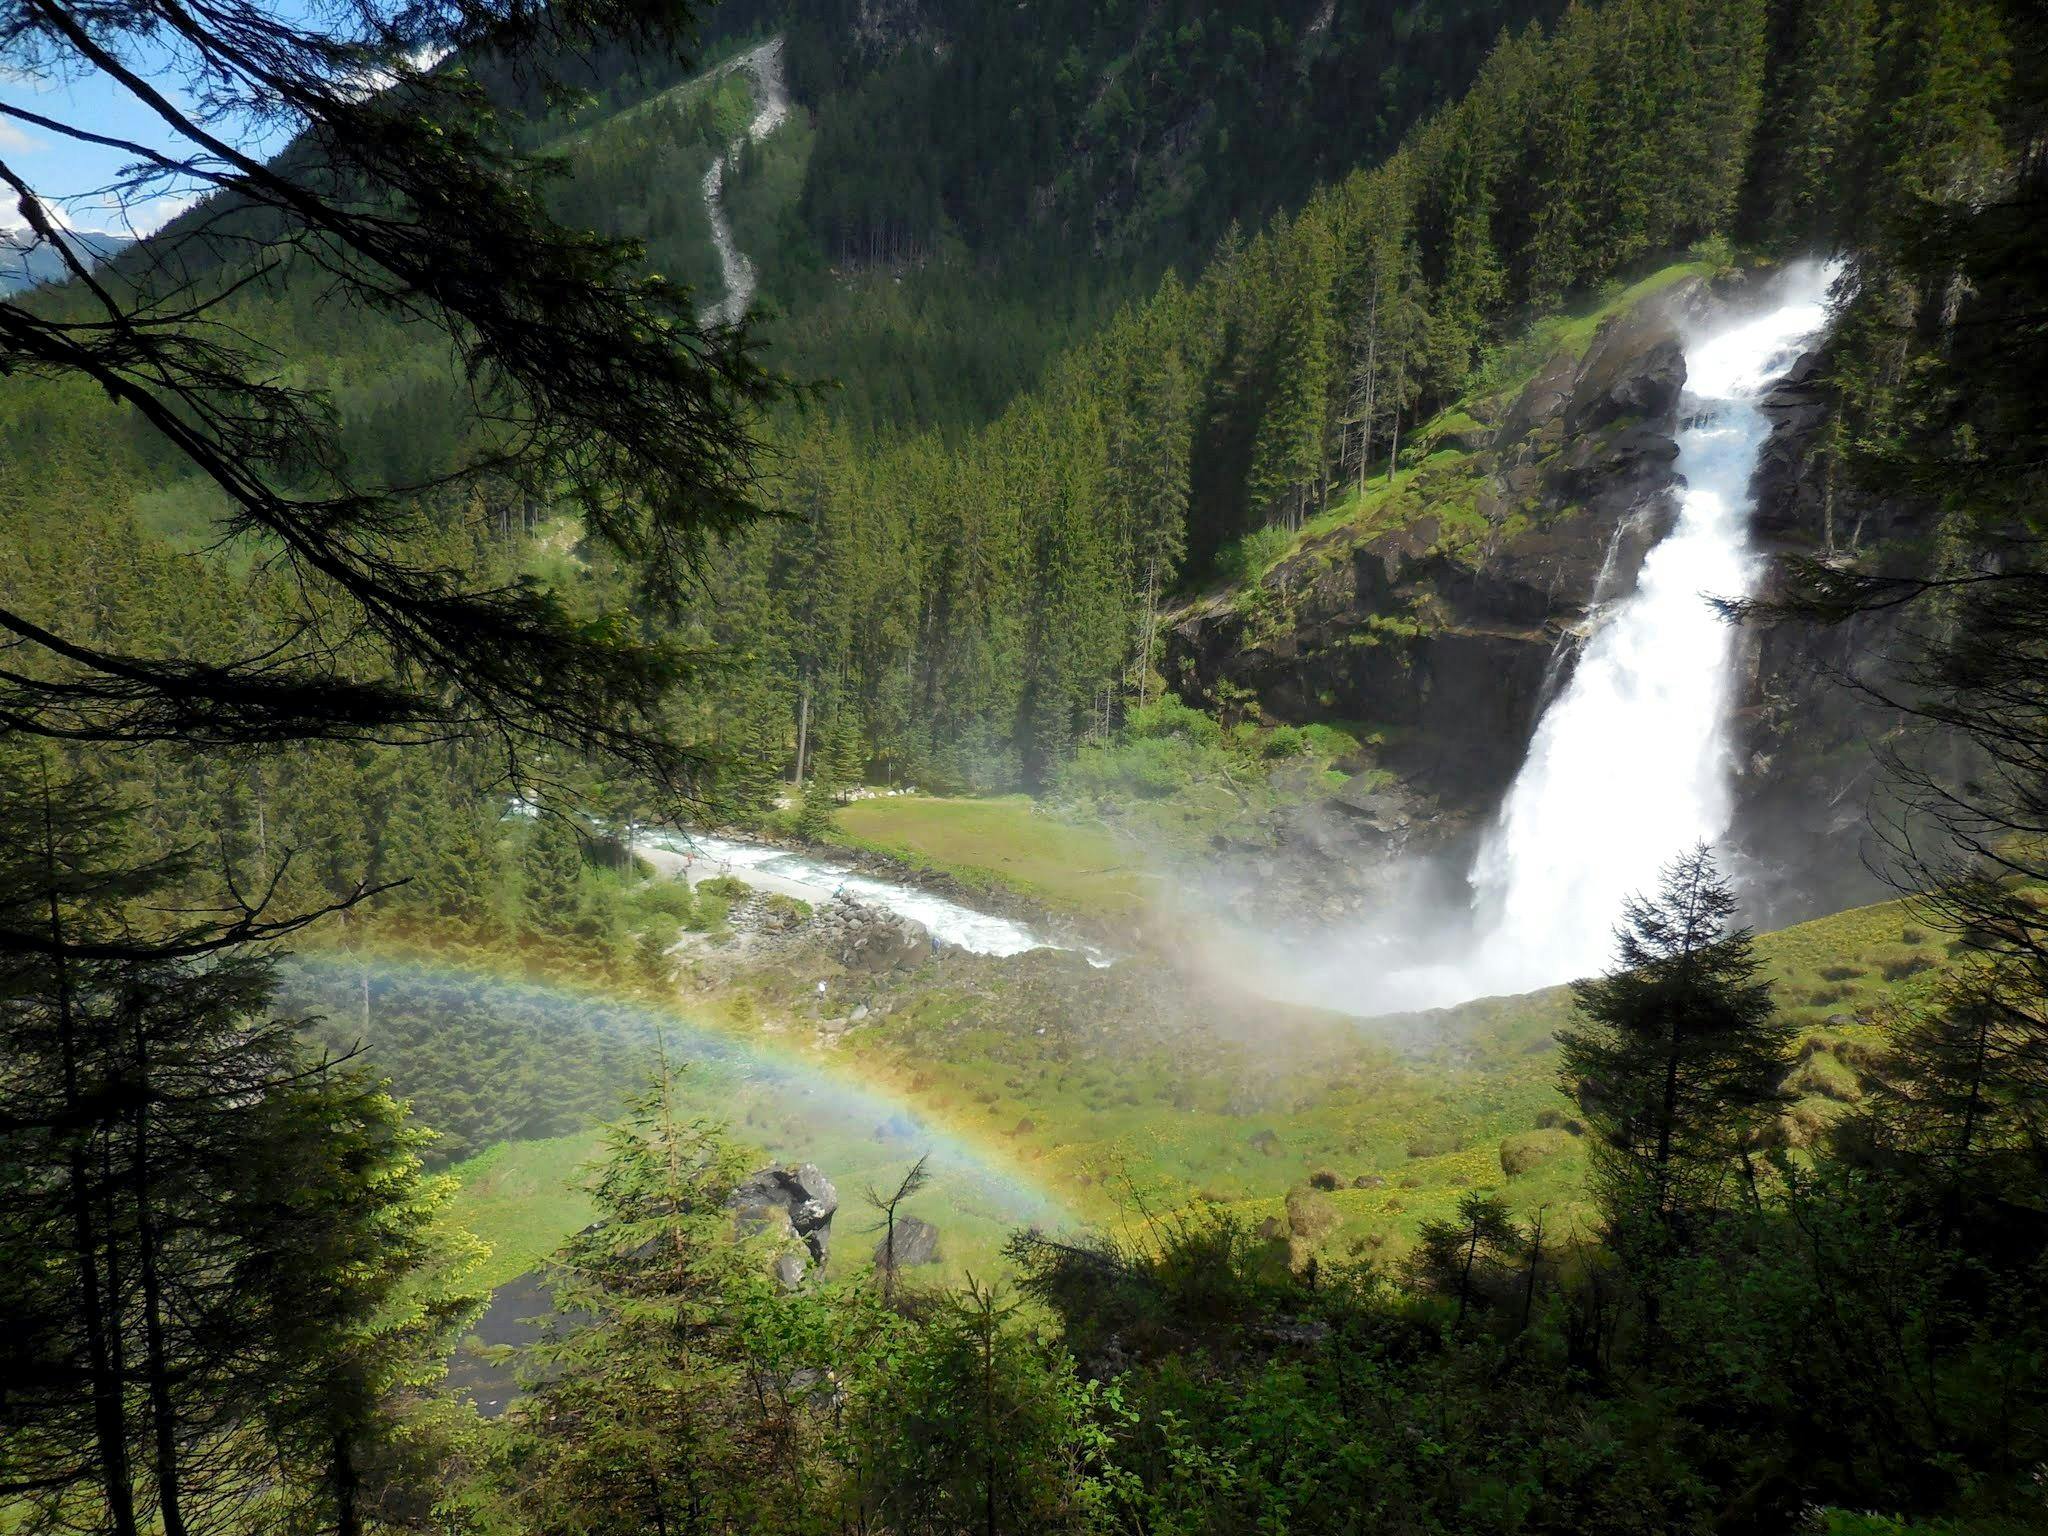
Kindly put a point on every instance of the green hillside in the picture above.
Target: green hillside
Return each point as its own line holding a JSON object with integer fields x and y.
{"x": 1401, "y": 1117}
{"x": 508, "y": 769}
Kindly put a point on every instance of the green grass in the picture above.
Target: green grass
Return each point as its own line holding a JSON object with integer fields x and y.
{"x": 524, "y": 1199}
{"x": 1096, "y": 1088}
{"x": 1418, "y": 1111}
{"x": 1575, "y": 331}
{"x": 1002, "y": 841}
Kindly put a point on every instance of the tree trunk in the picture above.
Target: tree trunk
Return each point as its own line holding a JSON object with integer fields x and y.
{"x": 348, "y": 1517}
{"x": 1535, "y": 1258}
{"x": 1465, "y": 1276}
{"x": 1372, "y": 379}
{"x": 110, "y": 1430}
{"x": 803, "y": 734}
{"x": 163, "y": 1420}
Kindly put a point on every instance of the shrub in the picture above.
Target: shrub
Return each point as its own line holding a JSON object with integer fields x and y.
{"x": 1284, "y": 741}
{"x": 1715, "y": 252}
{"x": 1168, "y": 716}
{"x": 1250, "y": 556}
{"x": 1841, "y": 972}
{"x": 1331, "y": 740}
{"x": 1912, "y": 965}
{"x": 1322, "y": 1178}
{"x": 725, "y": 888}
{"x": 1822, "y": 1075}
{"x": 664, "y": 898}
{"x": 1311, "y": 1215}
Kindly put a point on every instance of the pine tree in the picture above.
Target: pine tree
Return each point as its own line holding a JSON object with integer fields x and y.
{"x": 1288, "y": 453}
{"x": 1463, "y": 299}
{"x": 1676, "y": 1058}
{"x": 229, "y": 1240}
{"x": 1964, "y": 1092}
{"x": 552, "y": 867}
{"x": 644, "y": 1418}
{"x": 1471, "y": 1258}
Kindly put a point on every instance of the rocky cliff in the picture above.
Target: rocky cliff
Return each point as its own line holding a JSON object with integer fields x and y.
{"x": 1447, "y": 610}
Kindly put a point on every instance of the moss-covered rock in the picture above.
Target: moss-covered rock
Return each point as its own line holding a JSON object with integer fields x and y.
{"x": 1311, "y": 1214}
{"x": 1826, "y": 1075}
{"x": 1532, "y": 1149}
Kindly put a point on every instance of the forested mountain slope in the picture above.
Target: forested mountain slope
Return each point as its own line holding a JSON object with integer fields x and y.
{"x": 1040, "y": 553}
{"x": 970, "y": 610}
{"x": 970, "y": 186}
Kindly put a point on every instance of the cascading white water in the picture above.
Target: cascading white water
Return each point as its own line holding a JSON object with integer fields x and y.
{"x": 764, "y": 65}
{"x": 963, "y": 927}
{"x": 1631, "y": 763}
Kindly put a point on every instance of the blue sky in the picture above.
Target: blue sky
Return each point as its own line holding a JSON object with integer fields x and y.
{"x": 71, "y": 175}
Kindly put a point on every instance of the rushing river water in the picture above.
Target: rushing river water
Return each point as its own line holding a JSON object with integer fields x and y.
{"x": 983, "y": 933}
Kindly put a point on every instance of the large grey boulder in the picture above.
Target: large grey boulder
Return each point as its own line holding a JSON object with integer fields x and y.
{"x": 916, "y": 1241}
{"x": 797, "y": 1198}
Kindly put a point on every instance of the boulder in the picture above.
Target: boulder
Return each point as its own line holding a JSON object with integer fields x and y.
{"x": 877, "y": 943}
{"x": 797, "y": 1195}
{"x": 914, "y": 1242}
{"x": 1311, "y": 1214}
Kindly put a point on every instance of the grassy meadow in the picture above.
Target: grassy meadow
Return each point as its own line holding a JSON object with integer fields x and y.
{"x": 1118, "y": 1097}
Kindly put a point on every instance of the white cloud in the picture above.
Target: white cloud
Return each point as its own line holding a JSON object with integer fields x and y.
{"x": 100, "y": 214}
{"x": 15, "y": 141}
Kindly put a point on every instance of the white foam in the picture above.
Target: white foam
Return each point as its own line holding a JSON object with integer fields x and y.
{"x": 982, "y": 933}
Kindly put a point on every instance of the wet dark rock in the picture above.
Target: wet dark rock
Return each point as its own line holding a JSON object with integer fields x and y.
{"x": 1807, "y": 779}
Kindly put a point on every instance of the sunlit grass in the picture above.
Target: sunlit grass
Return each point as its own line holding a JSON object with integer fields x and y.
{"x": 1002, "y": 841}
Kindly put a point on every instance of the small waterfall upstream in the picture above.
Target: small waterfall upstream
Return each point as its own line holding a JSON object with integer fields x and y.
{"x": 771, "y": 94}
{"x": 1631, "y": 763}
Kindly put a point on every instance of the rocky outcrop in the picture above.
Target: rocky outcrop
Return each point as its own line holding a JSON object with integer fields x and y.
{"x": 1454, "y": 624}
{"x": 1449, "y": 614}
{"x": 1445, "y": 618}
{"x": 873, "y": 942}
{"x": 795, "y": 1202}
{"x": 1808, "y": 718}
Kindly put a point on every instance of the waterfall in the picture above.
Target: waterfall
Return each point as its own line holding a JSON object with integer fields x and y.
{"x": 1631, "y": 763}
{"x": 764, "y": 65}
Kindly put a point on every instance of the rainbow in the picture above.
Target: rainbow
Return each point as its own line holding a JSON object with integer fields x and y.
{"x": 831, "y": 1113}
